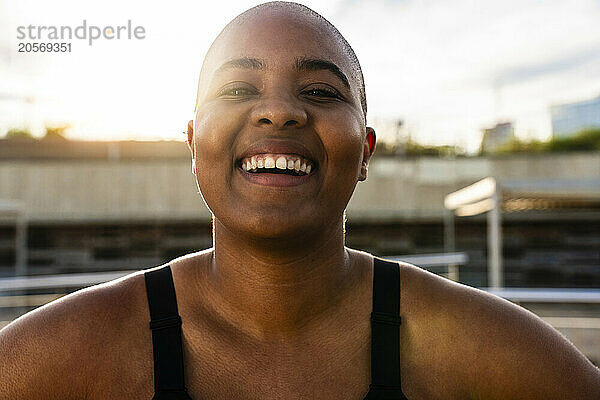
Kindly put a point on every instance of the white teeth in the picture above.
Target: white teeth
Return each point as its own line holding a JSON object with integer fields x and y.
{"x": 281, "y": 163}
{"x": 291, "y": 162}
{"x": 269, "y": 162}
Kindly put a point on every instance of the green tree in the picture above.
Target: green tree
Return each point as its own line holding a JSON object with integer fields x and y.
{"x": 585, "y": 140}
{"x": 56, "y": 132}
{"x": 15, "y": 133}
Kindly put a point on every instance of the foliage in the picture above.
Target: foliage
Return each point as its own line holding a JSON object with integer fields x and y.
{"x": 56, "y": 132}
{"x": 414, "y": 149}
{"x": 17, "y": 133}
{"x": 585, "y": 140}
{"x": 52, "y": 132}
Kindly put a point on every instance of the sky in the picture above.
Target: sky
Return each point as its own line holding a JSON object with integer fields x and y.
{"x": 446, "y": 68}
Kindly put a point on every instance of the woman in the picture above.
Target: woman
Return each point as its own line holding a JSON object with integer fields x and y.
{"x": 279, "y": 308}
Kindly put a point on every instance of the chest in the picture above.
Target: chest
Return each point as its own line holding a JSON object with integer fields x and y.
{"x": 223, "y": 365}
{"x": 327, "y": 367}
{"x": 332, "y": 366}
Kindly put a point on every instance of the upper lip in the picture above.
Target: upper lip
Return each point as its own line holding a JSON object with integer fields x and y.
{"x": 278, "y": 146}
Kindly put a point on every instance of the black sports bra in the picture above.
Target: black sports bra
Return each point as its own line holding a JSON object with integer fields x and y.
{"x": 165, "y": 324}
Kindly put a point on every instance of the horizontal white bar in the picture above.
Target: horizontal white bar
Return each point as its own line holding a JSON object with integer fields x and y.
{"x": 31, "y": 300}
{"x": 573, "y": 322}
{"x": 550, "y": 295}
{"x": 432, "y": 260}
{"x": 61, "y": 280}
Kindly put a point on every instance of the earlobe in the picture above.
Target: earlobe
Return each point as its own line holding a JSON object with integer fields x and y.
{"x": 190, "y": 142}
{"x": 190, "y": 132}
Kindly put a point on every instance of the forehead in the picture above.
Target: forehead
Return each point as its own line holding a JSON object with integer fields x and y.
{"x": 279, "y": 39}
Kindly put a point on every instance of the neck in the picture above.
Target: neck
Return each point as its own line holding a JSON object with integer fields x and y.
{"x": 274, "y": 288}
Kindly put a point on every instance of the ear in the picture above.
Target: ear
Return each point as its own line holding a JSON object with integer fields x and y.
{"x": 368, "y": 149}
{"x": 190, "y": 143}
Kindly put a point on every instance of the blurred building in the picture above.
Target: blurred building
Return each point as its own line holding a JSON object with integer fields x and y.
{"x": 98, "y": 206}
{"x": 568, "y": 119}
{"x": 496, "y": 137}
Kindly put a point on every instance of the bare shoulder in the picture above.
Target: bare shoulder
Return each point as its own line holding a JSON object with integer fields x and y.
{"x": 58, "y": 350}
{"x": 476, "y": 345}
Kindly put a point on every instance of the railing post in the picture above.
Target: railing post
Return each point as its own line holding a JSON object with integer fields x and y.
{"x": 449, "y": 242}
{"x": 495, "y": 271}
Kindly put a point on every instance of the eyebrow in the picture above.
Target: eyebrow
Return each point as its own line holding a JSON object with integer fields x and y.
{"x": 242, "y": 63}
{"x": 301, "y": 64}
{"x": 315, "y": 64}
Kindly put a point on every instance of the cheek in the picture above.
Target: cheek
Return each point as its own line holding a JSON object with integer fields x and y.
{"x": 214, "y": 134}
{"x": 345, "y": 147}
{"x": 213, "y": 142}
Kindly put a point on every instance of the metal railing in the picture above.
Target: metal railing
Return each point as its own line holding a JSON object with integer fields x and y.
{"x": 21, "y": 293}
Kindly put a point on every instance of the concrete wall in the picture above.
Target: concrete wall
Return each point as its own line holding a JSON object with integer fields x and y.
{"x": 415, "y": 188}
{"x": 92, "y": 190}
{"x": 164, "y": 189}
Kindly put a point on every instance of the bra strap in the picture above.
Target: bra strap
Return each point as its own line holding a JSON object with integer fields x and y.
{"x": 385, "y": 330}
{"x": 165, "y": 324}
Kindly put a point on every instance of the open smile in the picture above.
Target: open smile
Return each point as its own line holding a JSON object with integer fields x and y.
{"x": 272, "y": 169}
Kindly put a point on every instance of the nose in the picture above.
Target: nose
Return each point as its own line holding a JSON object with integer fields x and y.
{"x": 280, "y": 113}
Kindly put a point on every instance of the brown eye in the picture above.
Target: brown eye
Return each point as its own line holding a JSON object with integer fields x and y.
{"x": 237, "y": 92}
{"x": 322, "y": 93}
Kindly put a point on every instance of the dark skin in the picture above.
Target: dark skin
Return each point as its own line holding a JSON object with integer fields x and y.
{"x": 279, "y": 308}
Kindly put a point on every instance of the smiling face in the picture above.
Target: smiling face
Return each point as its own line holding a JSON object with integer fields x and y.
{"x": 279, "y": 139}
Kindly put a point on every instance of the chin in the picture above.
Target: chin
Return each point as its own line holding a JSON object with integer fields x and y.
{"x": 276, "y": 226}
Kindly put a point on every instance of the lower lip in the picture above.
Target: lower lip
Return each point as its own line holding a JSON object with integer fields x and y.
{"x": 266, "y": 179}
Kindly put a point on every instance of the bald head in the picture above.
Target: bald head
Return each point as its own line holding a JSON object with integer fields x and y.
{"x": 298, "y": 15}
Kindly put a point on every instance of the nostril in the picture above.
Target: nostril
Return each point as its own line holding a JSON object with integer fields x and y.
{"x": 290, "y": 123}
{"x": 264, "y": 121}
